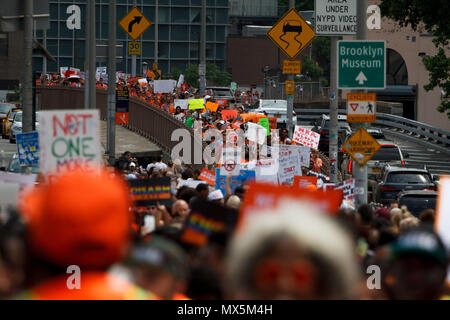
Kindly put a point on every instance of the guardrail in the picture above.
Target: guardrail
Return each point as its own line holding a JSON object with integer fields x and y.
{"x": 402, "y": 125}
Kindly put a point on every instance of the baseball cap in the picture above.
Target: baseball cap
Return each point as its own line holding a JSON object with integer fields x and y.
{"x": 421, "y": 241}
{"x": 80, "y": 217}
{"x": 132, "y": 164}
{"x": 215, "y": 195}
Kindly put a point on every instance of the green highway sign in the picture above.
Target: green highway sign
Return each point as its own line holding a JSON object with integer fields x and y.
{"x": 361, "y": 64}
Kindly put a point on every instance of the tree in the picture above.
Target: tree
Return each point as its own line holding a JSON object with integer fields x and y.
{"x": 191, "y": 75}
{"x": 175, "y": 73}
{"x": 311, "y": 69}
{"x": 213, "y": 74}
{"x": 433, "y": 14}
{"x": 283, "y": 5}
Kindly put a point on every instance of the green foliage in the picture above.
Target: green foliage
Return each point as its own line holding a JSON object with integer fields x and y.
{"x": 310, "y": 69}
{"x": 213, "y": 74}
{"x": 174, "y": 73}
{"x": 434, "y": 16}
{"x": 300, "y": 5}
{"x": 191, "y": 75}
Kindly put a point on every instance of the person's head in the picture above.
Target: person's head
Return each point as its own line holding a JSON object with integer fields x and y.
{"x": 216, "y": 197}
{"x": 428, "y": 216}
{"x": 291, "y": 252}
{"x": 203, "y": 190}
{"x": 180, "y": 210}
{"x": 408, "y": 224}
{"x": 186, "y": 193}
{"x": 80, "y": 218}
{"x": 417, "y": 266}
{"x": 178, "y": 110}
{"x": 234, "y": 202}
{"x": 127, "y": 155}
{"x": 159, "y": 266}
{"x": 132, "y": 167}
{"x": 366, "y": 213}
{"x": 394, "y": 204}
{"x": 160, "y": 158}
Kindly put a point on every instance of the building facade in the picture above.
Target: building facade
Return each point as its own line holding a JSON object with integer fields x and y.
{"x": 179, "y": 28}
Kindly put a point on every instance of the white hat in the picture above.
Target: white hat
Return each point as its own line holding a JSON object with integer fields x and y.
{"x": 132, "y": 164}
{"x": 207, "y": 97}
{"x": 215, "y": 195}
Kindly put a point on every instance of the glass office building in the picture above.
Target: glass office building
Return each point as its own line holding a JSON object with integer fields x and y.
{"x": 178, "y": 35}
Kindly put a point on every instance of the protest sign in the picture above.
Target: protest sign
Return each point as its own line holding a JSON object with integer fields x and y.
{"x": 263, "y": 196}
{"x": 196, "y": 104}
{"x": 289, "y": 164}
{"x": 182, "y": 103}
{"x": 348, "y": 189}
{"x": 190, "y": 183}
{"x": 208, "y": 176}
{"x": 222, "y": 102}
{"x": 306, "y": 137}
{"x": 272, "y": 122}
{"x": 229, "y": 114}
{"x": 205, "y": 219}
{"x": 256, "y": 133}
{"x": 264, "y": 122}
{"x": 148, "y": 192}
{"x": 236, "y": 181}
{"x": 266, "y": 170}
{"x": 132, "y": 80}
{"x": 164, "y": 86}
{"x": 231, "y": 159}
{"x": 237, "y": 124}
{"x": 304, "y": 181}
{"x": 211, "y": 106}
{"x": 304, "y": 155}
{"x": 442, "y": 224}
{"x": 180, "y": 81}
{"x": 122, "y": 106}
{"x": 69, "y": 139}
{"x": 28, "y": 148}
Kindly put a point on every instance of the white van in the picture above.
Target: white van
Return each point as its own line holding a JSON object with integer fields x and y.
{"x": 275, "y": 108}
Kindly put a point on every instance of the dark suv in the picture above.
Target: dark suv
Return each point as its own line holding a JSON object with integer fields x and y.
{"x": 417, "y": 201}
{"x": 396, "y": 179}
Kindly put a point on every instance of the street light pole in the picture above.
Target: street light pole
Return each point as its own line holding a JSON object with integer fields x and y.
{"x": 111, "y": 113}
{"x": 290, "y": 97}
{"x": 92, "y": 56}
{"x": 202, "y": 66}
{"x": 28, "y": 68}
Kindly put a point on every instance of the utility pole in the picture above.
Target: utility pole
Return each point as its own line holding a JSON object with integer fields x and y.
{"x": 133, "y": 57}
{"x": 360, "y": 173}
{"x": 27, "y": 88}
{"x": 86, "y": 60}
{"x": 290, "y": 97}
{"x": 202, "y": 66}
{"x": 44, "y": 61}
{"x": 92, "y": 56}
{"x": 334, "y": 99}
{"x": 111, "y": 113}
{"x": 156, "y": 30}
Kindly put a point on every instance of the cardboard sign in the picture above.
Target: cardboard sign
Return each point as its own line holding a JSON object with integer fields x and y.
{"x": 231, "y": 159}
{"x": 289, "y": 163}
{"x": 237, "y": 124}
{"x": 266, "y": 170}
{"x": 229, "y": 114}
{"x": 190, "y": 183}
{"x": 264, "y": 122}
{"x": 196, "y": 104}
{"x": 132, "y": 80}
{"x": 262, "y": 196}
{"x": 28, "y": 148}
{"x": 236, "y": 181}
{"x": 222, "y": 102}
{"x": 256, "y": 133}
{"x": 272, "y": 122}
{"x": 164, "y": 86}
{"x": 304, "y": 155}
{"x": 306, "y": 137}
{"x": 182, "y": 103}
{"x": 304, "y": 181}
{"x": 69, "y": 139}
{"x": 442, "y": 222}
{"x": 147, "y": 192}
{"x": 211, "y": 106}
{"x": 208, "y": 176}
{"x": 205, "y": 219}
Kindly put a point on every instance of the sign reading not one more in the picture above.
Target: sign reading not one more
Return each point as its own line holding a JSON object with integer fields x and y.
{"x": 361, "y": 64}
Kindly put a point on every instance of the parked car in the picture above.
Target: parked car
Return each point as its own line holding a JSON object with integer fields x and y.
{"x": 389, "y": 154}
{"x": 322, "y": 126}
{"x": 277, "y": 109}
{"x": 16, "y": 126}
{"x": 6, "y": 124}
{"x": 417, "y": 201}
{"x": 397, "y": 179}
{"x": 4, "y": 110}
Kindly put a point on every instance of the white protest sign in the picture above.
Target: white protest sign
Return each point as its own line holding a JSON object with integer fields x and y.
{"x": 289, "y": 164}
{"x": 142, "y": 82}
{"x": 182, "y": 103}
{"x": 256, "y": 133}
{"x": 348, "y": 189}
{"x": 266, "y": 170}
{"x": 68, "y": 139}
{"x": 231, "y": 159}
{"x": 304, "y": 155}
{"x": 335, "y": 17}
{"x": 164, "y": 86}
{"x": 190, "y": 183}
{"x": 62, "y": 71}
{"x": 180, "y": 80}
{"x": 306, "y": 137}
{"x": 442, "y": 226}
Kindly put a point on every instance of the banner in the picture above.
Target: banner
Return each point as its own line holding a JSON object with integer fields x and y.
{"x": 306, "y": 137}
{"x": 208, "y": 176}
{"x": 28, "y": 148}
{"x": 69, "y": 139}
{"x": 122, "y": 106}
{"x": 196, "y": 104}
{"x": 164, "y": 86}
{"x": 182, "y": 103}
{"x": 212, "y": 106}
{"x": 148, "y": 192}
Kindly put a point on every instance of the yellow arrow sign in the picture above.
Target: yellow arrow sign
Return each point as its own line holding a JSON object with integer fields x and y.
{"x": 291, "y": 33}
{"x": 135, "y": 23}
{"x": 361, "y": 146}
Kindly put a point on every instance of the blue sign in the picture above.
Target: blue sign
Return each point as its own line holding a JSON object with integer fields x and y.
{"x": 28, "y": 148}
{"x": 236, "y": 181}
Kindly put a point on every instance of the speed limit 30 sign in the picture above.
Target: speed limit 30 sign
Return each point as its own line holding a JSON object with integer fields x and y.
{"x": 134, "y": 48}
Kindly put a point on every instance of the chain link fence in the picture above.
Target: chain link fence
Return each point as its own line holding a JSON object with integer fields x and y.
{"x": 304, "y": 91}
